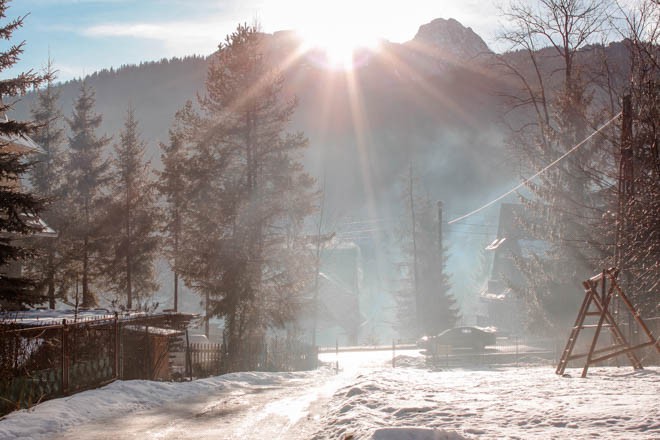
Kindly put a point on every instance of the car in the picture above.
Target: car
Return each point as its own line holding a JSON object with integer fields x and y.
{"x": 460, "y": 337}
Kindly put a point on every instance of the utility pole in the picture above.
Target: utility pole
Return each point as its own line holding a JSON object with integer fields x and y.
{"x": 206, "y": 314}
{"x": 626, "y": 191}
{"x": 317, "y": 264}
{"x": 440, "y": 241}
{"x": 415, "y": 271}
{"x": 626, "y": 180}
{"x": 440, "y": 231}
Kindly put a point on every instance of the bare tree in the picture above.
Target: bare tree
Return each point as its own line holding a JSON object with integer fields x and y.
{"x": 639, "y": 238}
{"x": 550, "y": 111}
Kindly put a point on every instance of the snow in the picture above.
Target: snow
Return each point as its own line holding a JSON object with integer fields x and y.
{"x": 501, "y": 403}
{"x": 48, "y": 316}
{"x": 365, "y": 399}
{"x": 154, "y": 330}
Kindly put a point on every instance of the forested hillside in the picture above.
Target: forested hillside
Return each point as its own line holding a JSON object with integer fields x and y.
{"x": 442, "y": 103}
{"x": 437, "y": 106}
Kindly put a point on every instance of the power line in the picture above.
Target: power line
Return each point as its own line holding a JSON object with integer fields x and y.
{"x": 368, "y": 221}
{"x": 546, "y": 168}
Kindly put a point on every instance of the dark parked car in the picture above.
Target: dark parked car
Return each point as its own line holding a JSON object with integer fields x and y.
{"x": 459, "y": 337}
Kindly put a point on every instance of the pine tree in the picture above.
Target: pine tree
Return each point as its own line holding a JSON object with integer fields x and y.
{"x": 425, "y": 305}
{"x": 17, "y": 206}
{"x": 49, "y": 135}
{"x": 172, "y": 186}
{"x": 86, "y": 195}
{"x": 439, "y": 309}
{"x": 131, "y": 221}
{"x": 248, "y": 196}
{"x": 46, "y": 179}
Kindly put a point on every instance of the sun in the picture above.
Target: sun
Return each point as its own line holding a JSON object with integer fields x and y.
{"x": 338, "y": 47}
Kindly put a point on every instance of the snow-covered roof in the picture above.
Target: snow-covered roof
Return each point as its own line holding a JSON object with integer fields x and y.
{"x": 153, "y": 330}
{"x": 21, "y": 143}
{"x": 49, "y": 317}
{"x": 495, "y": 244}
{"x": 39, "y": 226}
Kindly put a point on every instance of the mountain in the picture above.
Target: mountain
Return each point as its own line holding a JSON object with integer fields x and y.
{"x": 436, "y": 100}
{"x": 449, "y": 37}
{"x": 430, "y": 99}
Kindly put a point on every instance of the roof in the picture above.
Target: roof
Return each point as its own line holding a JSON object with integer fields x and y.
{"x": 22, "y": 143}
{"x": 38, "y": 228}
{"x": 41, "y": 229}
{"x": 159, "y": 331}
{"x": 39, "y": 317}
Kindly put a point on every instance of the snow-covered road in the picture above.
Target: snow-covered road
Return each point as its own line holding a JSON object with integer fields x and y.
{"x": 276, "y": 407}
{"x": 366, "y": 399}
{"x": 279, "y": 408}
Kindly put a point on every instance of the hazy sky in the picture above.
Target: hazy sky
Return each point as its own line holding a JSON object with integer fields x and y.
{"x": 87, "y": 35}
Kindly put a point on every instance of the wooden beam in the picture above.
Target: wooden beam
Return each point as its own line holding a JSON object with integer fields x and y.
{"x": 627, "y": 350}
{"x": 600, "y": 350}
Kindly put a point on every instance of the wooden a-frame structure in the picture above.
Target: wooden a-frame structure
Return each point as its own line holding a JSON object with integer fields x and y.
{"x": 598, "y": 304}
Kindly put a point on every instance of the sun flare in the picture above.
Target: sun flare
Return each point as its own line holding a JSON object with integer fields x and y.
{"x": 338, "y": 47}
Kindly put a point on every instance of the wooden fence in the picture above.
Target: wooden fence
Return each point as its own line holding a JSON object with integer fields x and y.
{"x": 272, "y": 354}
{"x": 205, "y": 359}
{"x": 42, "y": 362}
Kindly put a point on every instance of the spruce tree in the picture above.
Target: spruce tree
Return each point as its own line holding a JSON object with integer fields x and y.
{"x": 248, "y": 196}
{"x": 131, "y": 221}
{"x": 172, "y": 186}
{"x": 425, "y": 305}
{"x": 46, "y": 178}
{"x": 86, "y": 184}
{"x": 18, "y": 207}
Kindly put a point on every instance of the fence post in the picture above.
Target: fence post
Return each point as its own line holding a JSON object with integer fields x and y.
{"x": 264, "y": 361}
{"x": 147, "y": 371}
{"x": 115, "y": 366}
{"x": 337, "y": 355}
{"x": 188, "y": 360}
{"x": 516, "y": 350}
{"x": 65, "y": 358}
{"x": 218, "y": 359}
{"x": 223, "y": 353}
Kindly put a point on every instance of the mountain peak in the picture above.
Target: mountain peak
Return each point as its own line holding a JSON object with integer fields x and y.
{"x": 451, "y": 37}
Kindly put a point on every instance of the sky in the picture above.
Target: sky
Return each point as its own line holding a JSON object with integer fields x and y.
{"x": 83, "y": 36}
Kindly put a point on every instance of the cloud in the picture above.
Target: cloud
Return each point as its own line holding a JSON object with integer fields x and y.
{"x": 179, "y": 38}
{"x": 66, "y": 72}
{"x": 395, "y": 22}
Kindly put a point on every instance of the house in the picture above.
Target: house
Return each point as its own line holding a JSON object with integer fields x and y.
{"x": 339, "y": 319}
{"x": 22, "y": 145}
{"x": 499, "y": 306}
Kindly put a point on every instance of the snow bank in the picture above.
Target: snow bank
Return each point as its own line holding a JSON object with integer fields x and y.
{"x": 374, "y": 402}
{"x": 529, "y": 403}
{"x": 122, "y": 397}
{"x": 414, "y": 434}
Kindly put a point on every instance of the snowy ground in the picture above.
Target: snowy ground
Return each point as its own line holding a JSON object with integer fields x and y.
{"x": 366, "y": 399}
